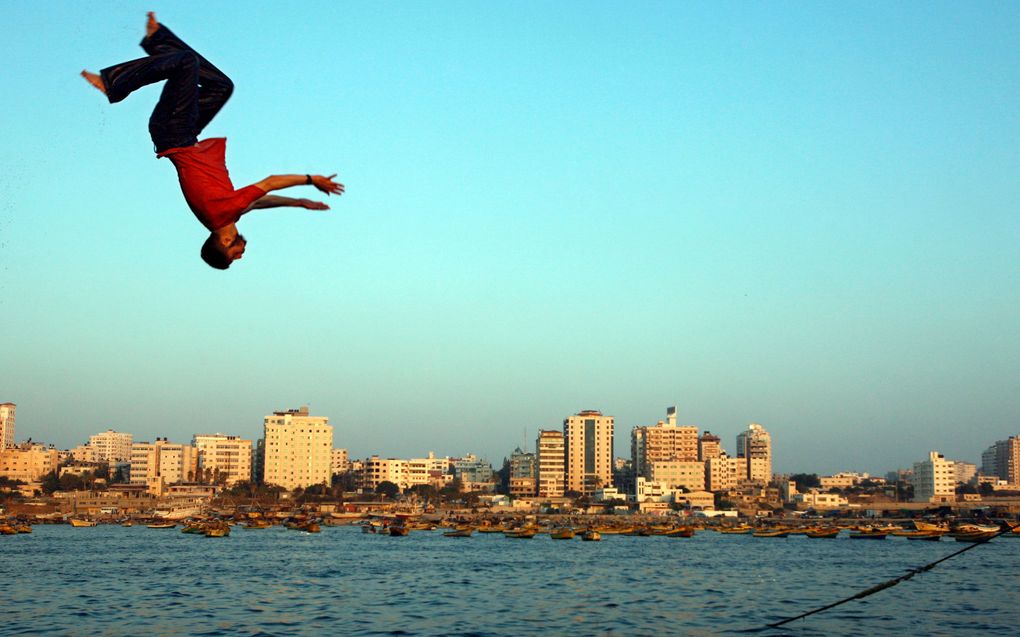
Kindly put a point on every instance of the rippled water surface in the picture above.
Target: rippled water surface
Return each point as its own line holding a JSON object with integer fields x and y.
{"x": 111, "y": 580}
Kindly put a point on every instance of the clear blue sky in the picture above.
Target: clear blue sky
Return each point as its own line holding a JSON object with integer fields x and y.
{"x": 798, "y": 214}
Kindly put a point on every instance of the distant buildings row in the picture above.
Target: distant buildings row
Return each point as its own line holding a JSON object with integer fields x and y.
{"x": 297, "y": 450}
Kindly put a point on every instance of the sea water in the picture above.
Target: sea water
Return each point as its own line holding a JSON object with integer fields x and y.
{"x": 112, "y": 580}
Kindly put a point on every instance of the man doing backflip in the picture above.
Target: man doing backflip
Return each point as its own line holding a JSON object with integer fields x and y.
{"x": 194, "y": 92}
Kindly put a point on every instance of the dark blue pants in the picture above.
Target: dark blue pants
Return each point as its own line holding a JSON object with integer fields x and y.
{"x": 194, "y": 92}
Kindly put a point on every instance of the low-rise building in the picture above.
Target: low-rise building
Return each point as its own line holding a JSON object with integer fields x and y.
{"x": 28, "y": 462}
{"x": 815, "y": 500}
{"x": 934, "y": 479}
{"x": 678, "y": 473}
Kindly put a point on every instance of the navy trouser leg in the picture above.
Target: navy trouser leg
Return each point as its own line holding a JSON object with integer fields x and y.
{"x": 215, "y": 88}
{"x": 194, "y": 92}
{"x": 173, "y": 121}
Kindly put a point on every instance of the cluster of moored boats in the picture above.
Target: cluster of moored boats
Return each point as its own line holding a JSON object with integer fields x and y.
{"x": 529, "y": 527}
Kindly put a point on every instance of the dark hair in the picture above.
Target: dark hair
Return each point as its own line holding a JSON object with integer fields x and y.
{"x": 213, "y": 254}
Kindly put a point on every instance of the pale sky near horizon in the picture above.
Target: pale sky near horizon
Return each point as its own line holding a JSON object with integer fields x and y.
{"x": 802, "y": 215}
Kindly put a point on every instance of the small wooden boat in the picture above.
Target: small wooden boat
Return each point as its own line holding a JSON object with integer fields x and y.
{"x": 591, "y": 535}
{"x": 311, "y": 527}
{"x": 868, "y": 535}
{"x": 683, "y": 531}
{"x": 921, "y": 525}
{"x": 217, "y": 530}
{"x": 7, "y": 529}
{"x": 398, "y": 530}
{"x": 565, "y": 533}
{"x": 973, "y": 536}
{"x": 23, "y": 528}
{"x": 772, "y": 533}
{"x": 736, "y": 530}
{"x": 78, "y": 523}
{"x": 823, "y": 534}
{"x": 926, "y": 536}
{"x": 127, "y": 523}
{"x": 257, "y": 523}
{"x": 464, "y": 532}
{"x": 162, "y": 525}
{"x": 521, "y": 534}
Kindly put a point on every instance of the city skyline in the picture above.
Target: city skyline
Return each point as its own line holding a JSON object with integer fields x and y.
{"x": 622, "y": 444}
{"x": 800, "y": 216}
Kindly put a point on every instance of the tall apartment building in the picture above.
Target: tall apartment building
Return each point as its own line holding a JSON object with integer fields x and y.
{"x": 709, "y": 446}
{"x": 588, "y": 449}
{"x": 689, "y": 474}
{"x": 223, "y": 458}
{"x": 111, "y": 446}
{"x": 160, "y": 464}
{"x": 1002, "y": 460}
{"x": 27, "y": 462}
{"x": 755, "y": 446}
{"x": 934, "y": 479}
{"x": 724, "y": 473}
{"x": 550, "y": 468}
{"x": 661, "y": 442}
{"x": 298, "y": 449}
{"x": 7, "y": 424}
{"x": 964, "y": 472}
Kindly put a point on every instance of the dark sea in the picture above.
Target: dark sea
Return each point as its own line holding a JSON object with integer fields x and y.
{"x": 111, "y": 580}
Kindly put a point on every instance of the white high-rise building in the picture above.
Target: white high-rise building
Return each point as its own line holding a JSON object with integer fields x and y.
{"x": 934, "y": 479}
{"x": 224, "y": 459}
{"x": 661, "y": 442}
{"x": 298, "y": 449}
{"x": 549, "y": 467}
{"x": 1003, "y": 460}
{"x": 588, "y": 449}
{"x": 160, "y": 464}
{"x": 111, "y": 446}
{"x": 7, "y": 425}
{"x": 755, "y": 446}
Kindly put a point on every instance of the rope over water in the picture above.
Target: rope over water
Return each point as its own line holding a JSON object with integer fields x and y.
{"x": 1006, "y": 528}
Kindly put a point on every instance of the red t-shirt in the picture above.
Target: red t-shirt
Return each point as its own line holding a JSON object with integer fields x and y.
{"x": 202, "y": 169}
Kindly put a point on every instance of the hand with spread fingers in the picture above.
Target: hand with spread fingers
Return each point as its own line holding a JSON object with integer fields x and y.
{"x": 312, "y": 205}
{"x": 327, "y": 185}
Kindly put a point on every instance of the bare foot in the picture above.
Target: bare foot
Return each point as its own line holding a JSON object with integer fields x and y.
{"x": 95, "y": 80}
{"x": 151, "y": 25}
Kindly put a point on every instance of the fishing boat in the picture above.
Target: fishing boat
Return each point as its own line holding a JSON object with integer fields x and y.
{"x": 498, "y": 528}
{"x": 591, "y": 535}
{"x": 565, "y": 533}
{"x": 926, "y": 536}
{"x": 162, "y": 525}
{"x": 77, "y": 523}
{"x": 398, "y": 530}
{"x": 258, "y": 523}
{"x": 521, "y": 534}
{"x": 772, "y": 533}
{"x": 683, "y": 531}
{"x": 464, "y": 532}
{"x": 311, "y": 527}
{"x": 973, "y": 536}
{"x": 823, "y": 534}
{"x": 921, "y": 525}
{"x": 736, "y": 530}
{"x": 7, "y": 529}
{"x": 869, "y": 535}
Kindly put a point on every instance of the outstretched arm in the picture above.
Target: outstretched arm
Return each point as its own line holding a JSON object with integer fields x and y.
{"x": 274, "y": 201}
{"x": 278, "y": 182}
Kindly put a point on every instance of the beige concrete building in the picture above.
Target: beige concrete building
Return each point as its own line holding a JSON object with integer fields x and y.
{"x": 662, "y": 441}
{"x": 588, "y": 451}
{"x": 550, "y": 467}
{"x": 159, "y": 464}
{"x": 934, "y": 479}
{"x": 724, "y": 473}
{"x": 223, "y": 459}
{"x": 111, "y": 446}
{"x": 85, "y": 453}
{"x": 28, "y": 462}
{"x": 964, "y": 472}
{"x": 298, "y": 449}
{"x": 377, "y": 470}
{"x": 709, "y": 446}
{"x": 1002, "y": 460}
{"x": 340, "y": 461}
{"x": 428, "y": 470}
{"x": 7, "y": 412}
{"x": 679, "y": 473}
{"x": 755, "y": 446}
